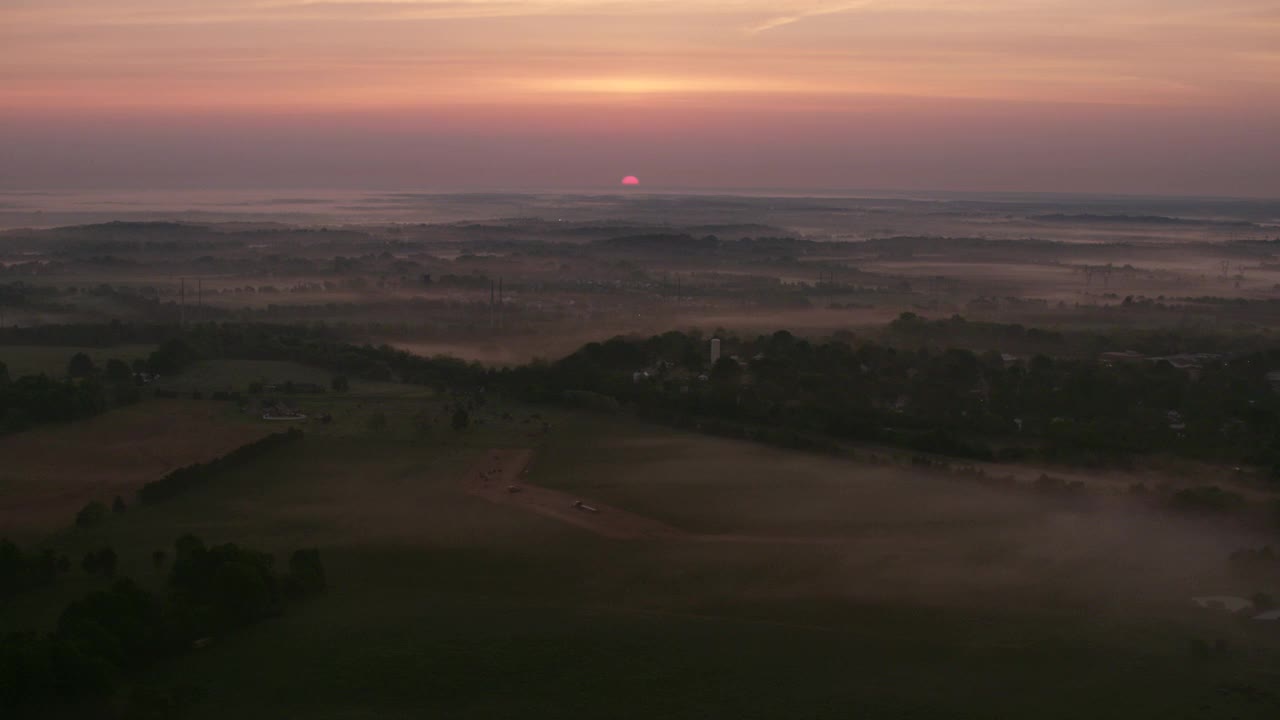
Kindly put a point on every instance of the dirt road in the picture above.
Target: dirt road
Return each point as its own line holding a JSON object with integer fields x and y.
{"x": 501, "y": 477}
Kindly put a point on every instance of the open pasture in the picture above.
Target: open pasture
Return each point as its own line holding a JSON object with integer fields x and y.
{"x": 47, "y": 474}
{"x": 860, "y": 589}
{"x": 888, "y": 530}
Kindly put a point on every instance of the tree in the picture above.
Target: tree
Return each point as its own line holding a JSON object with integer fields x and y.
{"x": 378, "y": 421}
{"x": 107, "y": 561}
{"x": 422, "y": 423}
{"x": 117, "y": 371}
{"x": 117, "y": 505}
{"x": 100, "y": 561}
{"x": 1199, "y": 649}
{"x": 340, "y": 384}
{"x": 461, "y": 420}
{"x": 726, "y": 370}
{"x": 1208, "y": 498}
{"x": 4, "y": 374}
{"x": 222, "y": 586}
{"x": 171, "y": 357}
{"x": 306, "y": 572}
{"x": 80, "y": 366}
{"x": 91, "y": 514}
{"x": 241, "y": 590}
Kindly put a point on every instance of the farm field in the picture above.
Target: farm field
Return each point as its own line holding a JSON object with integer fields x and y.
{"x": 49, "y": 473}
{"x": 796, "y": 586}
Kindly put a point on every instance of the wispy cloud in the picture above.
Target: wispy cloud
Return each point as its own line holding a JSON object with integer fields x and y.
{"x": 803, "y": 14}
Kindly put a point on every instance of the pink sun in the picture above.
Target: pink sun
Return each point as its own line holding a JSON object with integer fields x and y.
{"x": 631, "y": 180}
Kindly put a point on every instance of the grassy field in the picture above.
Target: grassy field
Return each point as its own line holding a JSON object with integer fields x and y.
{"x": 50, "y": 472}
{"x": 834, "y": 589}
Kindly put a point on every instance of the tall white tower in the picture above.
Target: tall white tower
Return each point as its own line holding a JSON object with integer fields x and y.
{"x": 715, "y": 350}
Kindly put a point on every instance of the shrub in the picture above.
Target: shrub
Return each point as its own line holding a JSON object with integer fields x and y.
{"x": 1207, "y": 498}
{"x": 92, "y": 514}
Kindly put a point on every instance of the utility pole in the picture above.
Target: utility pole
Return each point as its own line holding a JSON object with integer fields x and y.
{"x": 182, "y": 302}
{"x": 500, "y": 307}
{"x": 200, "y": 298}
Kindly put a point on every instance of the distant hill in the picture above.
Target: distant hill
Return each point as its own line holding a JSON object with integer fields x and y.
{"x": 1091, "y": 219}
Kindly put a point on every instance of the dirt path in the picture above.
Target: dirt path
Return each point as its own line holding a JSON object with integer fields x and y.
{"x": 501, "y": 478}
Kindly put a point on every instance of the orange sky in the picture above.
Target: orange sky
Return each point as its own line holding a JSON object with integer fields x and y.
{"x": 1200, "y": 73}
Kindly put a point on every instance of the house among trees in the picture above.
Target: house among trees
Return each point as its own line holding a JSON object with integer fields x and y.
{"x": 273, "y": 410}
{"x": 290, "y": 387}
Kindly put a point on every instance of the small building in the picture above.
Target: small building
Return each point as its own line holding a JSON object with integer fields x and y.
{"x": 1273, "y": 377}
{"x": 272, "y": 410}
{"x": 715, "y": 350}
{"x": 1226, "y": 603}
{"x": 1126, "y": 356}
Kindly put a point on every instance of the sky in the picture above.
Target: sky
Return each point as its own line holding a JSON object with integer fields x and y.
{"x": 1097, "y": 96}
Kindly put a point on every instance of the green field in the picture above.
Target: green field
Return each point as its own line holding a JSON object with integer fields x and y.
{"x": 834, "y": 589}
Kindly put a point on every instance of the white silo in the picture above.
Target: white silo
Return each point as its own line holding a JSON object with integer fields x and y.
{"x": 715, "y": 350}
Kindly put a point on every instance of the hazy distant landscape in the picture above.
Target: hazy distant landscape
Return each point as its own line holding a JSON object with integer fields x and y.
{"x": 822, "y": 214}
{"x": 554, "y": 451}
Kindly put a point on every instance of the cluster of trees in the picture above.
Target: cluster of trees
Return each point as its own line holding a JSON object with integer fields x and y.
{"x": 21, "y": 570}
{"x": 93, "y": 514}
{"x": 184, "y": 478}
{"x": 35, "y": 399}
{"x": 912, "y": 330}
{"x": 86, "y": 390}
{"x": 1208, "y": 499}
{"x": 102, "y": 561}
{"x": 951, "y": 401}
{"x": 108, "y": 635}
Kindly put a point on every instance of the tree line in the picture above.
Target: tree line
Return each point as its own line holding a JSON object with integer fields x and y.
{"x": 85, "y": 389}
{"x": 184, "y": 478}
{"x": 104, "y": 639}
{"x": 947, "y": 400}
